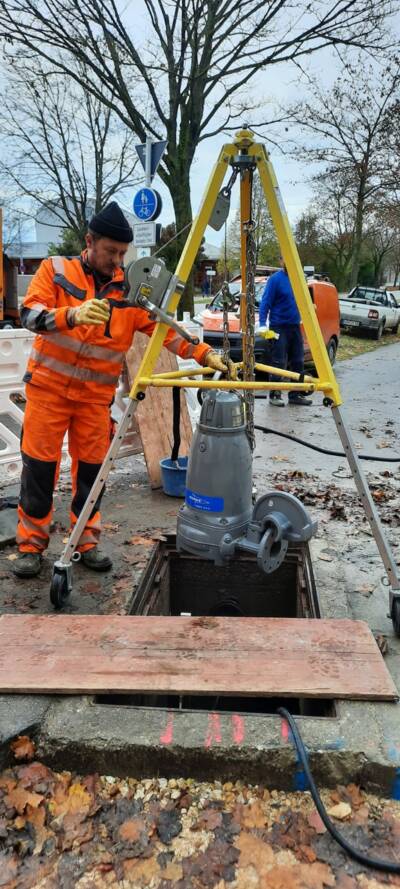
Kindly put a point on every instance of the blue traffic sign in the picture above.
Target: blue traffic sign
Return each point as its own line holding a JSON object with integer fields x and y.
{"x": 147, "y": 204}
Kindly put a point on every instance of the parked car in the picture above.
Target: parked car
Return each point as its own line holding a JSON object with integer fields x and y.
{"x": 370, "y": 309}
{"x": 323, "y": 294}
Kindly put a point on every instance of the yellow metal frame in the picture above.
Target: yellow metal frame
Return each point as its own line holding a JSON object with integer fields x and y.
{"x": 325, "y": 380}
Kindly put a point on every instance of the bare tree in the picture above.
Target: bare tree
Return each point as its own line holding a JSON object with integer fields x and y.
{"x": 185, "y": 79}
{"x": 61, "y": 147}
{"x": 350, "y": 128}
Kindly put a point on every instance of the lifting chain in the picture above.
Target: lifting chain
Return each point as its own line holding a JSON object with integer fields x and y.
{"x": 249, "y": 343}
{"x": 226, "y": 306}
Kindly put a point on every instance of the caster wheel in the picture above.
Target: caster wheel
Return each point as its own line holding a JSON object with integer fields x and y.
{"x": 59, "y": 592}
{"x": 396, "y": 615}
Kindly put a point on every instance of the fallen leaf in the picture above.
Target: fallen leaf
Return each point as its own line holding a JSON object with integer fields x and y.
{"x": 280, "y": 458}
{"x": 7, "y": 783}
{"x": 140, "y": 541}
{"x": 75, "y": 831}
{"x": 361, "y": 815}
{"x": 8, "y": 870}
{"x": 168, "y": 825}
{"x": 110, "y": 526}
{"x": 254, "y": 815}
{"x": 316, "y": 822}
{"x": 173, "y": 872}
{"x": 325, "y": 557}
{"x": 37, "y": 818}
{"x": 306, "y": 853}
{"x": 382, "y": 643}
{"x": 209, "y": 820}
{"x": 354, "y": 796}
{"x": 11, "y": 558}
{"x": 141, "y": 873}
{"x": 303, "y": 876}
{"x": 254, "y": 852}
{"x": 19, "y": 799}
{"x": 75, "y": 800}
{"x": 36, "y": 773}
{"x": 23, "y": 747}
{"x": 130, "y": 831}
{"x": 366, "y": 589}
{"x": 342, "y": 811}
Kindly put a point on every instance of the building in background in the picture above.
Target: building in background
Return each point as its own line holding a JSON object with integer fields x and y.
{"x": 26, "y": 256}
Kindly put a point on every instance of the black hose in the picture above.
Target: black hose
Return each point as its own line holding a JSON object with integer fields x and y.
{"x": 307, "y": 444}
{"x": 376, "y": 863}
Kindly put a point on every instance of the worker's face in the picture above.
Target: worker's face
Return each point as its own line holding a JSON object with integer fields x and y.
{"x": 105, "y": 255}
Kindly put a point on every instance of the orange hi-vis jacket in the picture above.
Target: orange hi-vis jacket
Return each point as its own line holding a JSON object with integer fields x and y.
{"x": 84, "y": 363}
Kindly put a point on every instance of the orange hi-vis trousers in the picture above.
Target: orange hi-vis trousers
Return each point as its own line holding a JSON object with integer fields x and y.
{"x": 47, "y": 419}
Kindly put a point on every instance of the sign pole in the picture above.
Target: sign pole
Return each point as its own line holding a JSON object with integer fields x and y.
{"x": 147, "y": 168}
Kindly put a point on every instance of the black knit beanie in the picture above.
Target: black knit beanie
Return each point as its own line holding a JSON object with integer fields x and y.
{"x": 111, "y": 223}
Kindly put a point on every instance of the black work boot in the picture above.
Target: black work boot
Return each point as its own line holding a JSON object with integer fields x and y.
{"x": 28, "y": 565}
{"x": 96, "y": 560}
{"x": 275, "y": 398}
{"x": 300, "y": 399}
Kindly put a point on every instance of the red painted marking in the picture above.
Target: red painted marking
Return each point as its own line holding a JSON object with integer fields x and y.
{"x": 238, "y": 730}
{"x": 284, "y": 730}
{"x": 167, "y": 735}
{"x": 213, "y": 730}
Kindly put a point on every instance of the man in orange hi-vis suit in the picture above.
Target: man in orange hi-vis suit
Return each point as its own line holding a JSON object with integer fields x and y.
{"x": 84, "y": 326}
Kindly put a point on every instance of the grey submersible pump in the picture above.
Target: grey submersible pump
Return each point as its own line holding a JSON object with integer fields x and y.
{"x": 218, "y": 519}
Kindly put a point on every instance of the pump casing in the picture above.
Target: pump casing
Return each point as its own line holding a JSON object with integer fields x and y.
{"x": 218, "y": 518}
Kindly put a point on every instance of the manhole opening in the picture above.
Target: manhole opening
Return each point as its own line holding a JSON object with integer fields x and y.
{"x": 175, "y": 583}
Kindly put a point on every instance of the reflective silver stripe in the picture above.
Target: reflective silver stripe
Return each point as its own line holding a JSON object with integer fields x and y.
{"x": 175, "y": 345}
{"x": 75, "y": 373}
{"x": 86, "y": 350}
{"x": 58, "y": 264}
{"x": 50, "y": 321}
{"x": 29, "y": 318}
{"x": 38, "y": 306}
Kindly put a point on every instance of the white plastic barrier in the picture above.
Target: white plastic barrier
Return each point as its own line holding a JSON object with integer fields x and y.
{"x": 15, "y": 346}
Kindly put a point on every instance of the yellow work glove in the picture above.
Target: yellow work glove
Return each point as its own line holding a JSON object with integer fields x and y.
{"x": 215, "y": 361}
{"x": 94, "y": 311}
{"x": 267, "y": 334}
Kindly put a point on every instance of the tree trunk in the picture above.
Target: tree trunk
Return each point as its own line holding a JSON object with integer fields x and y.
{"x": 358, "y": 233}
{"x": 183, "y": 216}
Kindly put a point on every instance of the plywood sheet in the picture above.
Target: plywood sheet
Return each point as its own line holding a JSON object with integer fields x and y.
{"x": 154, "y": 414}
{"x": 71, "y": 654}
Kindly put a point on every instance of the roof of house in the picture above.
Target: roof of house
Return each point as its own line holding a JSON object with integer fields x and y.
{"x": 27, "y": 250}
{"x": 211, "y": 251}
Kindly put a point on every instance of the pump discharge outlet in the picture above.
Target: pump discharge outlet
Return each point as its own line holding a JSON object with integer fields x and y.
{"x": 218, "y": 519}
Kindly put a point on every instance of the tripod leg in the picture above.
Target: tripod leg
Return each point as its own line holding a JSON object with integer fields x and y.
{"x": 61, "y": 584}
{"x": 372, "y": 516}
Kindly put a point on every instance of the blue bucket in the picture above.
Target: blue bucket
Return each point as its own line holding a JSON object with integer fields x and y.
{"x": 173, "y": 475}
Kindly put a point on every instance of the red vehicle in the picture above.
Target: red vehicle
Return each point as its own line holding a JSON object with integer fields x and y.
{"x": 323, "y": 294}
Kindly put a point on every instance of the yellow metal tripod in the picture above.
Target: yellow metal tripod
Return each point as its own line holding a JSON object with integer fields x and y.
{"x": 245, "y": 155}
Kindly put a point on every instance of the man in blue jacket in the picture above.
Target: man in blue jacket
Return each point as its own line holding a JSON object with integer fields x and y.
{"x": 278, "y": 303}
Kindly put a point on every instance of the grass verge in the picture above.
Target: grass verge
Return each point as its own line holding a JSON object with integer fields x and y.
{"x": 350, "y": 346}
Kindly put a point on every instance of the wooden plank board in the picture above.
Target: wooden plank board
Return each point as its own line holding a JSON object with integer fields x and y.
{"x": 73, "y": 654}
{"x": 154, "y": 414}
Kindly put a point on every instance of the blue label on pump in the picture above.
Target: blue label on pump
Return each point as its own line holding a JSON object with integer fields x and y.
{"x": 200, "y": 501}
